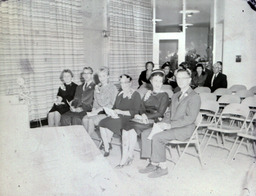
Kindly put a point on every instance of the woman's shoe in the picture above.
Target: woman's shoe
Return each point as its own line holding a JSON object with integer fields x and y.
{"x": 128, "y": 161}
{"x": 101, "y": 146}
{"x": 119, "y": 166}
{"x": 106, "y": 154}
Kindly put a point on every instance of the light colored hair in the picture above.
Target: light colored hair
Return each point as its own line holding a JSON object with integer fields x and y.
{"x": 104, "y": 69}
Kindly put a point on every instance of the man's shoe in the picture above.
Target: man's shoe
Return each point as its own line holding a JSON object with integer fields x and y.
{"x": 158, "y": 173}
{"x": 148, "y": 169}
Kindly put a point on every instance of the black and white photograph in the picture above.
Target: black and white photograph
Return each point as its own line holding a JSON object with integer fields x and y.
{"x": 127, "y": 97}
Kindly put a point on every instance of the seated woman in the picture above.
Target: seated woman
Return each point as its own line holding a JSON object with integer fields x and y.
{"x": 104, "y": 96}
{"x": 152, "y": 108}
{"x": 168, "y": 74}
{"x": 66, "y": 93}
{"x": 144, "y": 76}
{"x": 127, "y": 105}
{"x": 199, "y": 77}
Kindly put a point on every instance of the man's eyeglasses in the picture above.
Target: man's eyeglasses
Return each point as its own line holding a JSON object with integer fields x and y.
{"x": 86, "y": 73}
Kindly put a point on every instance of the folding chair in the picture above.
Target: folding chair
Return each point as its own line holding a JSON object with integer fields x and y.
{"x": 237, "y": 87}
{"x": 222, "y": 91}
{"x": 244, "y": 93}
{"x": 227, "y": 99}
{"x": 208, "y": 110}
{"x": 202, "y": 89}
{"x": 192, "y": 140}
{"x": 250, "y": 135}
{"x": 251, "y": 103}
{"x": 253, "y": 90}
{"x": 207, "y": 96}
{"x": 231, "y": 121}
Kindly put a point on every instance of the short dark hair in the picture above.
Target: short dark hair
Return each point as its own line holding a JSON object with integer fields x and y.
{"x": 166, "y": 64}
{"x": 200, "y": 65}
{"x": 89, "y": 69}
{"x": 65, "y": 71}
{"x": 219, "y": 62}
{"x": 127, "y": 76}
{"x": 149, "y": 62}
{"x": 186, "y": 70}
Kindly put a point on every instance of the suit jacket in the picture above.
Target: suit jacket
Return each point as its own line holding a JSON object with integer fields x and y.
{"x": 219, "y": 82}
{"x": 183, "y": 114}
{"x": 84, "y": 97}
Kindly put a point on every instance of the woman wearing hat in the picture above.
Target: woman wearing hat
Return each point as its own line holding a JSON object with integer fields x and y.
{"x": 153, "y": 107}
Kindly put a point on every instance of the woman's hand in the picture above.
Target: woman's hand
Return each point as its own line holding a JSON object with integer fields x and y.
{"x": 58, "y": 101}
{"x": 144, "y": 119}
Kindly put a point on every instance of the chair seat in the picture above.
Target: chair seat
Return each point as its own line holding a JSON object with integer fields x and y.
{"x": 247, "y": 136}
{"x": 181, "y": 142}
{"x": 224, "y": 129}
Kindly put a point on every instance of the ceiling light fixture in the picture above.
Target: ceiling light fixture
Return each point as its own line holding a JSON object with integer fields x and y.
{"x": 190, "y": 12}
{"x": 186, "y": 25}
{"x": 157, "y": 20}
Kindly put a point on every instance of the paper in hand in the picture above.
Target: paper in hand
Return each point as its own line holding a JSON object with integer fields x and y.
{"x": 110, "y": 112}
{"x": 156, "y": 129}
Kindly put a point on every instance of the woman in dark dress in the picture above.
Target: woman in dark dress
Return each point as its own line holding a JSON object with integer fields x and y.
{"x": 168, "y": 74}
{"x": 152, "y": 109}
{"x": 144, "y": 76}
{"x": 66, "y": 93}
{"x": 199, "y": 77}
{"x": 127, "y": 105}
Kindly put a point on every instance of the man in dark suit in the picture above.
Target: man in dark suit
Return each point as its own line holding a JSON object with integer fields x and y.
{"x": 178, "y": 124}
{"x": 82, "y": 102}
{"x": 216, "y": 79}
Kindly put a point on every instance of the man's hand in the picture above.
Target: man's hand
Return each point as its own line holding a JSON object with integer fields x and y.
{"x": 73, "y": 109}
{"x": 163, "y": 125}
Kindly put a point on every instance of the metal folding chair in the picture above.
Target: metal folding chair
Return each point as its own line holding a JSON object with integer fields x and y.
{"x": 237, "y": 87}
{"x": 231, "y": 121}
{"x": 207, "y": 96}
{"x": 192, "y": 140}
{"x": 249, "y": 134}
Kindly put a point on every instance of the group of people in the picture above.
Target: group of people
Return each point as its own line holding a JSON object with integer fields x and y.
{"x": 201, "y": 76}
{"x": 125, "y": 113}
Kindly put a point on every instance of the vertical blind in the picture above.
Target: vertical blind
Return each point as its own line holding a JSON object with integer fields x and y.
{"x": 38, "y": 39}
{"x": 131, "y": 37}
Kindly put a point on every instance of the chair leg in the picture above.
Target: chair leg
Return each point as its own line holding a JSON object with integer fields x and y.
{"x": 233, "y": 158}
{"x": 178, "y": 148}
{"x": 233, "y": 147}
{"x": 223, "y": 140}
{"x": 181, "y": 155}
{"x": 206, "y": 132}
{"x": 199, "y": 151}
{"x": 207, "y": 143}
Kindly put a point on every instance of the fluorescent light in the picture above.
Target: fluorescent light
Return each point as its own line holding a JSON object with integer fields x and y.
{"x": 157, "y": 20}
{"x": 190, "y": 12}
{"x": 186, "y": 25}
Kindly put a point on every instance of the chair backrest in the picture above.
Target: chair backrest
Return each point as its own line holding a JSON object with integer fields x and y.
{"x": 212, "y": 106}
{"x": 249, "y": 101}
{"x": 244, "y": 93}
{"x": 253, "y": 90}
{"x": 236, "y": 109}
{"x": 237, "y": 87}
{"x": 222, "y": 91}
{"x": 202, "y": 89}
{"x": 227, "y": 99}
{"x": 207, "y": 97}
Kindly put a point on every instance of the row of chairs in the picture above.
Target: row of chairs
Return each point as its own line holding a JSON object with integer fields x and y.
{"x": 235, "y": 119}
{"x": 232, "y": 90}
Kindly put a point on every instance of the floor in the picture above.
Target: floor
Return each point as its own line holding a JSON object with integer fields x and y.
{"x": 216, "y": 178}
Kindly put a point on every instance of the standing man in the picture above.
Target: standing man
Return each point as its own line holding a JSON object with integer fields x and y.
{"x": 82, "y": 102}
{"x": 216, "y": 79}
{"x": 179, "y": 124}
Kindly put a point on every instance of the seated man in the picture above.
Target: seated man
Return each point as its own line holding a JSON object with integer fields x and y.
{"x": 179, "y": 124}
{"x": 216, "y": 79}
{"x": 82, "y": 102}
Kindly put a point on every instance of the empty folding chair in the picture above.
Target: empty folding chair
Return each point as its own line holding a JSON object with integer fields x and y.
{"x": 202, "y": 89}
{"x": 253, "y": 90}
{"x": 237, "y": 87}
{"x": 192, "y": 140}
{"x": 222, "y": 91}
{"x": 231, "y": 121}
{"x": 249, "y": 135}
{"x": 168, "y": 90}
{"x": 208, "y": 110}
{"x": 251, "y": 103}
{"x": 227, "y": 99}
{"x": 244, "y": 93}
{"x": 207, "y": 96}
